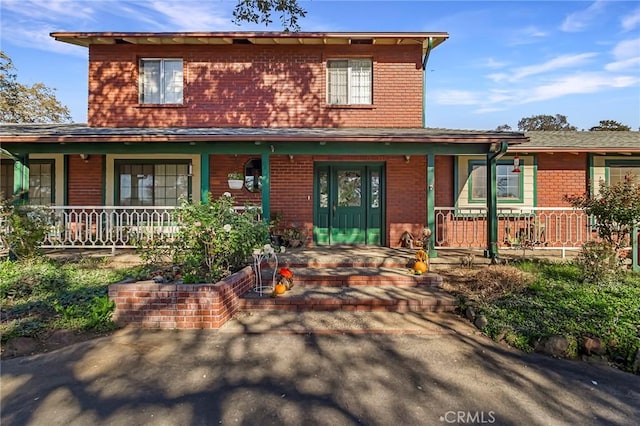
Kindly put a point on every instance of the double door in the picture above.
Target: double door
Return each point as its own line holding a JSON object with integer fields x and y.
{"x": 349, "y": 203}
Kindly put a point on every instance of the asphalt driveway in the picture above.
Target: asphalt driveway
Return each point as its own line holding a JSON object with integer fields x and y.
{"x": 201, "y": 377}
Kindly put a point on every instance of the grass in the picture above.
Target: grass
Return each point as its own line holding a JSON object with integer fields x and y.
{"x": 557, "y": 302}
{"x": 40, "y": 295}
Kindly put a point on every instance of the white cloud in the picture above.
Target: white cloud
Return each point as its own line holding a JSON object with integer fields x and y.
{"x": 631, "y": 21}
{"x": 38, "y": 38}
{"x": 626, "y": 54}
{"x": 579, "y": 21}
{"x": 563, "y": 61}
{"x": 194, "y": 15}
{"x": 492, "y": 63}
{"x": 579, "y": 83}
{"x": 527, "y": 35}
{"x": 627, "y": 49}
{"x": 456, "y": 97}
{"x": 50, "y": 9}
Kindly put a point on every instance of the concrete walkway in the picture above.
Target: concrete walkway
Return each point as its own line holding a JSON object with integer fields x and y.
{"x": 449, "y": 375}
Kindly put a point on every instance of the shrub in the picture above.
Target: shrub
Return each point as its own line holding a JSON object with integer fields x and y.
{"x": 23, "y": 227}
{"x": 213, "y": 240}
{"x": 616, "y": 211}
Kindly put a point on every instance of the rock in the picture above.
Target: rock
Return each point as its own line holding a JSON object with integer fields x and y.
{"x": 481, "y": 322}
{"x": 20, "y": 346}
{"x": 592, "y": 345}
{"x": 635, "y": 367}
{"x": 62, "y": 338}
{"x": 555, "y": 345}
{"x": 158, "y": 279}
{"x": 470, "y": 313}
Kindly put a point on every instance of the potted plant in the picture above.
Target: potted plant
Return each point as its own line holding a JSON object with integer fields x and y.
{"x": 235, "y": 180}
{"x": 294, "y": 236}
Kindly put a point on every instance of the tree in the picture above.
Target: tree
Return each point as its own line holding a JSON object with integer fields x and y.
{"x": 20, "y": 103}
{"x": 610, "y": 125}
{"x": 259, "y": 11}
{"x": 503, "y": 128}
{"x": 545, "y": 122}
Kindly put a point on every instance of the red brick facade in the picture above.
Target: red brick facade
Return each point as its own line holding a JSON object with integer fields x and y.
{"x": 560, "y": 174}
{"x": 254, "y": 86}
{"x": 84, "y": 180}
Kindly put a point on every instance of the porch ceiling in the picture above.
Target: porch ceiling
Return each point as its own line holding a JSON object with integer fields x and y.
{"x": 262, "y": 38}
{"x": 79, "y": 133}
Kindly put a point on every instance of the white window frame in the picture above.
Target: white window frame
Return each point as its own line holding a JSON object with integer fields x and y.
{"x": 350, "y": 96}
{"x": 162, "y": 84}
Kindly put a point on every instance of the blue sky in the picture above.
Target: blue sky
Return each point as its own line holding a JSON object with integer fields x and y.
{"x": 504, "y": 60}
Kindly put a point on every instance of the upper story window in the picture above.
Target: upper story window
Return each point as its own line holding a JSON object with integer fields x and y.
{"x": 161, "y": 81}
{"x": 349, "y": 82}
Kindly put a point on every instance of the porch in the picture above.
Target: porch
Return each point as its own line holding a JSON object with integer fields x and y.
{"x": 556, "y": 229}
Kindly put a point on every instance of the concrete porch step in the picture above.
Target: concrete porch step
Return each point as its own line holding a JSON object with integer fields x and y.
{"x": 343, "y": 322}
{"x": 359, "y": 276}
{"x": 358, "y": 298}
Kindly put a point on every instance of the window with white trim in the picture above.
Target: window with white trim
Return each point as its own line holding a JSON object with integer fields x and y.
{"x": 508, "y": 183}
{"x": 161, "y": 81}
{"x": 41, "y": 182}
{"x": 617, "y": 172}
{"x": 349, "y": 82}
{"x": 147, "y": 183}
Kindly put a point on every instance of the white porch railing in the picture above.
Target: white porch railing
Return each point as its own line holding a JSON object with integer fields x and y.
{"x": 110, "y": 226}
{"x": 527, "y": 227}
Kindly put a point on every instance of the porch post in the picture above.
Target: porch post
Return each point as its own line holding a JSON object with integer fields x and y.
{"x": 492, "y": 200}
{"x": 21, "y": 176}
{"x": 431, "y": 204}
{"x": 204, "y": 176}
{"x": 492, "y": 205}
{"x": 266, "y": 184}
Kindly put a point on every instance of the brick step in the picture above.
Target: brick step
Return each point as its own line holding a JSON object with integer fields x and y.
{"x": 360, "y": 298}
{"x": 359, "y": 276}
{"x": 356, "y": 263}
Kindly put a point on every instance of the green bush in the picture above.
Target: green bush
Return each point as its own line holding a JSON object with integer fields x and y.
{"x": 213, "y": 240}
{"x": 30, "y": 276}
{"x": 23, "y": 227}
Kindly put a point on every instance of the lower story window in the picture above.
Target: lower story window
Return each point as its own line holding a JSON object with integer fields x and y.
{"x": 508, "y": 183}
{"x": 6, "y": 179}
{"x": 152, "y": 184}
{"x": 617, "y": 172}
{"x": 41, "y": 182}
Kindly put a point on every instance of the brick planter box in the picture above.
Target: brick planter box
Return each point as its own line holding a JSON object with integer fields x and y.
{"x": 180, "y": 306}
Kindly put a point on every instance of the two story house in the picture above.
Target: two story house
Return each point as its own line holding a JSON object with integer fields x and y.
{"x": 326, "y": 128}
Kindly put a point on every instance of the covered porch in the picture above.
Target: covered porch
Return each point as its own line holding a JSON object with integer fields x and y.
{"x": 390, "y": 175}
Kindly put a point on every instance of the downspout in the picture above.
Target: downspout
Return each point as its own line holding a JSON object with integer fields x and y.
{"x": 493, "y": 156}
{"x": 431, "y": 184}
{"x": 425, "y": 59}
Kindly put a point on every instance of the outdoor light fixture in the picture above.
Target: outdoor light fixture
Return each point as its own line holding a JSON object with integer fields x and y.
{"x": 407, "y": 158}
{"x": 516, "y": 165}
{"x": 290, "y": 158}
{"x": 85, "y": 157}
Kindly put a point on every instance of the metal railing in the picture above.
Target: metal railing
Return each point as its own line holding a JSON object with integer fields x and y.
{"x": 110, "y": 226}
{"x": 561, "y": 228}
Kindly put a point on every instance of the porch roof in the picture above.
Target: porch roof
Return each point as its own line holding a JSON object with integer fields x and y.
{"x": 70, "y": 133}
{"x": 569, "y": 141}
{"x": 257, "y": 37}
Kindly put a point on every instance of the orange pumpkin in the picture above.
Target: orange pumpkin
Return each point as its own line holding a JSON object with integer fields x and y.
{"x": 420, "y": 267}
{"x": 280, "y": 288}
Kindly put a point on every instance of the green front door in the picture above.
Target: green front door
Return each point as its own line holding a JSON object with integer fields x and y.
{"x": 348, "y": 203}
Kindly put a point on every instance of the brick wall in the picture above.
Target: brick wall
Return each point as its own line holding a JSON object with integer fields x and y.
{"x": 444, "y": 196}
{"x": 406, "y": 197}
{"x": 220, "y": 167}
{"x": 254, "y": 86}
{"x": 84, "y": 181}
{"x": 560, "y": 174}
{"x": 182, "y": 306}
